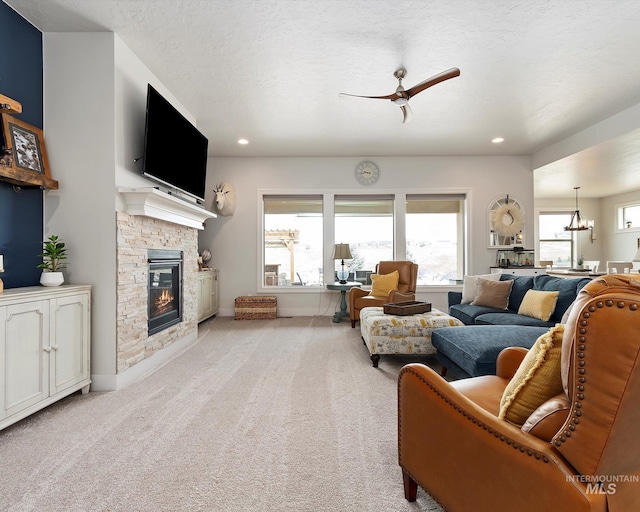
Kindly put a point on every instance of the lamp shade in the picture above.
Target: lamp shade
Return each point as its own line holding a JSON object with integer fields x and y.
{"x": 341, "y": 252}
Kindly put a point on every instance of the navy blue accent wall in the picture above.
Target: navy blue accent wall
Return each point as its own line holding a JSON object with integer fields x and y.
{"x": 21, "y": 214}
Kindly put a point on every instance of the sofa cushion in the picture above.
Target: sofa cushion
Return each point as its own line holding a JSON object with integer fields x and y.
{"x": 521, "y": 285}
{"x": 536, "y": 380}
{"x": 539, "y": 304}
{"x": 510, "y": 318}
{"x": 475, "y": 348}
{"x": 568, "y": 289}
{"x": 470, "y": 286}
{"x": 469, "y": 313}
{"x": 493, "y": 294}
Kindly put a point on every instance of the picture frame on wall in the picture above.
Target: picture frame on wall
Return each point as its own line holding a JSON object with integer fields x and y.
{"x": 28, "y": 163}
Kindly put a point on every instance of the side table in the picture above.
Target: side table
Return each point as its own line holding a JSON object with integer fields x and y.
{"x": 343, "y": 288}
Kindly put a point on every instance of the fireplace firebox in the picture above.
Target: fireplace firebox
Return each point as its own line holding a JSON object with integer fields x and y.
{"x": 165, "y": 289}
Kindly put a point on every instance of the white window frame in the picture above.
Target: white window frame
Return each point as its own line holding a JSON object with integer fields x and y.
{"x": 619, "y": 208}
{"x": 551, "y": 211}
{"x": 328, "y": 201}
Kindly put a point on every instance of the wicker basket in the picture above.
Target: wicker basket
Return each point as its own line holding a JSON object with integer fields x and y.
{"x": 410, "y": 307}
{"x": 256, "y": 307}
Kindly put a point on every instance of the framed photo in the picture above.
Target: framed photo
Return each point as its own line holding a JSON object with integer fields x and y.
{"x": 28, "y": 162}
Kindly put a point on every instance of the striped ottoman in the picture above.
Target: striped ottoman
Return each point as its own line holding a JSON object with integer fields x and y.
{"x": 391, "y": 334}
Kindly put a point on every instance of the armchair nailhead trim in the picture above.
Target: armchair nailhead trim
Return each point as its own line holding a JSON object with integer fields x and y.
{"x": 582, "y": 340}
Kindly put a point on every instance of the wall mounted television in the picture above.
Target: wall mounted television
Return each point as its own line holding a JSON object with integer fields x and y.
{"x": 175, "y": 152}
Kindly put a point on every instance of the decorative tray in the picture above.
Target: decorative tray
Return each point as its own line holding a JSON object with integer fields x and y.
{"x": 410, "y": 307}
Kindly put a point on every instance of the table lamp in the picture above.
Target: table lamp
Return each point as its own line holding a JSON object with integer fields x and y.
{"x": 342, "y": 252}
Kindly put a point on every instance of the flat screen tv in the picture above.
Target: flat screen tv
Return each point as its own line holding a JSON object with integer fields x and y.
{"x": 175, "y": 152}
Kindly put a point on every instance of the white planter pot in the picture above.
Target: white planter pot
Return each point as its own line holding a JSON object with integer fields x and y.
{"x": 51, "y": 279}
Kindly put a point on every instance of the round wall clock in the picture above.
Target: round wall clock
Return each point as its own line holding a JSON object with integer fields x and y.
{"x": 367, "y": 173}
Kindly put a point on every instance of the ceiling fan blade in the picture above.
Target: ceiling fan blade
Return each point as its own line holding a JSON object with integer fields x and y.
{"x": 429, "y": 82}
{"x": 408, "y": 114}
{"x": 388, "y": 97}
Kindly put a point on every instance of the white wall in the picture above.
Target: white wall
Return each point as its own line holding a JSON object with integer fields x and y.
{"x": 620, "y": 245}
{"x": 79, "y": 125}
{"x": 95, "y": 99}
{"x": 234, "y": 241}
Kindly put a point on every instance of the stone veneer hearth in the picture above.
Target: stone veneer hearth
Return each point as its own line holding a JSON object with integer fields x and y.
{"x": 135, "y": 235}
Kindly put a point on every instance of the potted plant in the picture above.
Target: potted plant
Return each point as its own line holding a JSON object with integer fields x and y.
{"x": 53, "y": 255}
{"x": 580, "y": 262}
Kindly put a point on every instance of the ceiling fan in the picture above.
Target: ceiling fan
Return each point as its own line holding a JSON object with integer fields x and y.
{"x": 402, "y": 97}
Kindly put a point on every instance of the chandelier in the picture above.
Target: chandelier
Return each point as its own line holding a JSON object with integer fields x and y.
{"x": 577, "y": 222}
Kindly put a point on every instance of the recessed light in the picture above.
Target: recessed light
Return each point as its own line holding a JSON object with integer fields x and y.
{"x": 243, "y": 141}
{"x": 497, "y": 140}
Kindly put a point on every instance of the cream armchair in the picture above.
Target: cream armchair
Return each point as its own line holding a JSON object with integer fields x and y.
{"x": 408, "y": 277}
{"x": 452, "y": 443}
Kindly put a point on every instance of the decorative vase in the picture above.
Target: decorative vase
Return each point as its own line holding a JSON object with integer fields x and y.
{"x": 51, "y": 279}
{"x": 579, "y": 266}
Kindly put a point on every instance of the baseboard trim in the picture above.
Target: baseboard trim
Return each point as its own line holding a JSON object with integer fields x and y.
{"x": 143, "y": 368}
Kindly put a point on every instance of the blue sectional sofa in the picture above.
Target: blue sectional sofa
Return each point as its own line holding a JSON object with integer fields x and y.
{"x": 480, "y": 315}
{"x": 472, "y": 350}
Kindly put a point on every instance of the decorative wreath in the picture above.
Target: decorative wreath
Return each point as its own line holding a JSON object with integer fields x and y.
{"x": 507, "y": 220}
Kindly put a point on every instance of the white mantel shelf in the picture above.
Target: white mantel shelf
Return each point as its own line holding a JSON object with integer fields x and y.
{"x": 151, "y": 202}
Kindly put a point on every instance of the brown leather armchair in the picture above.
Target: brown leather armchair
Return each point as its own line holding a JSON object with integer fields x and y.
{"x": 359, "y": 298}
{"x": 452, "y": 444}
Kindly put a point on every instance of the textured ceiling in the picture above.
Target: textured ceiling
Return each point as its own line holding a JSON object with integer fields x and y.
{"x": 533, "y": 72}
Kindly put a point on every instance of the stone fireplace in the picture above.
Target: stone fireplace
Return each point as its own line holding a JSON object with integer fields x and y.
{"x": 157, "y": 281}
{"x": 138, "y": 239}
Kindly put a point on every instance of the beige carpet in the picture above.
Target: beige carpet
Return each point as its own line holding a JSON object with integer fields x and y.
{"x": 262, "y": 415}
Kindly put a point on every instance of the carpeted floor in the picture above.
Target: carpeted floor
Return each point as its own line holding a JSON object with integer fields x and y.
{"x": 262, "y": 415}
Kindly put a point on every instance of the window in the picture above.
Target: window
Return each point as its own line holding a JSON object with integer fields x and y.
{"x": 292, "y": 240}
{"x": 434, "y": 237}
{"x": 556, "y": 244}
{"x": 629, "y": 216}
{"x": 299, "y": 229}
{"x": 366, "y": 224}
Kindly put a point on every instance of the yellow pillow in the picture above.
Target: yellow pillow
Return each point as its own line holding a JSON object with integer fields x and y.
{"x": 381, "y": 285}
{"x": 538, "y": 304}
{"x": 536, "y": 380}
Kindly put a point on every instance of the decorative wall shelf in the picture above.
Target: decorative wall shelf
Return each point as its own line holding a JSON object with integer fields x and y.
{"x": 27, "y": 179}
{"x": 151, "y": 202}
{"x": 9, "y": 106}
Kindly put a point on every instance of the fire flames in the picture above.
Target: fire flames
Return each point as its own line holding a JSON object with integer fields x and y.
{"x": 163, "y": 303}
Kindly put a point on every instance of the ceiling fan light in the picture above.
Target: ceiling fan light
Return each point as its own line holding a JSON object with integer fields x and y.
{"x": 401, "y": 102}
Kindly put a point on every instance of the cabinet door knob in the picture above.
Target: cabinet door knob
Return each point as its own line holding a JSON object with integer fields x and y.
{"x": 46, "y": 349}
{"x": 55, "y": 347}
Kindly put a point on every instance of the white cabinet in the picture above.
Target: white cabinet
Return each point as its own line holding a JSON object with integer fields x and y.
{"x": 523, "y": 271}
{"x": 207, "y": 294}
{"x": 44, "y": 347}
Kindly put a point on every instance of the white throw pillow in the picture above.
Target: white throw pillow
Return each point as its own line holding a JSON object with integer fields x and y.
{"x": 470, "y": 286}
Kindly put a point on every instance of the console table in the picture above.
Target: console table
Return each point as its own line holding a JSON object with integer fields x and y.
{"x": 45, "y": 345}
{"x": 343, "y": 288}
